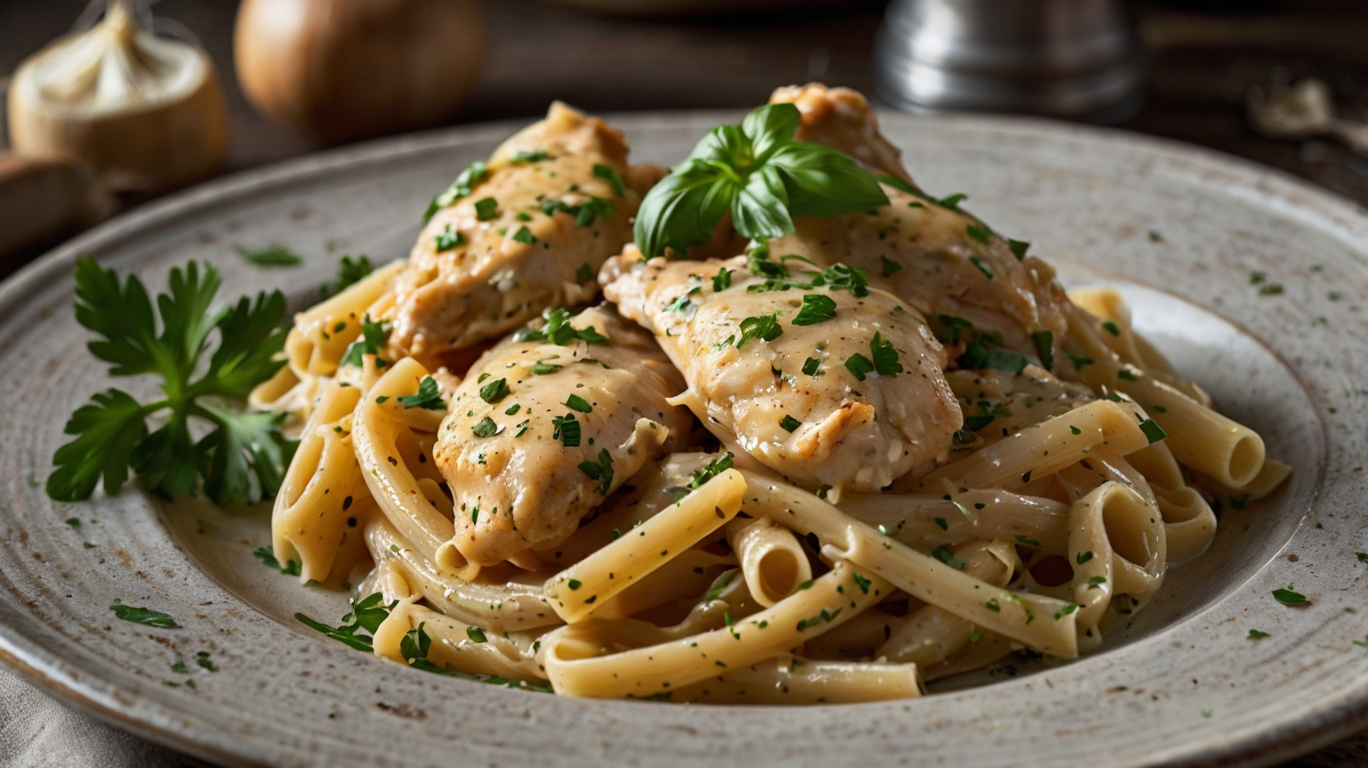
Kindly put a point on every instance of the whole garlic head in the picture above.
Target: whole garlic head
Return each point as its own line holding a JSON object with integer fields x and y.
{"x": 146, "y": 111}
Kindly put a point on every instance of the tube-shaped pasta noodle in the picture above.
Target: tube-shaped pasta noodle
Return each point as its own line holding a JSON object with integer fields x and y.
{"x": 375, "y": 435}
{"x": 1117, "y": 547}
{"x": 771, "y": 558}
{"x": 984, "y": 648}
{"x": 857, "y": 638}
{"x": 1111, "y": 315}
{"x": 322, "y": 333}
{"x": 687, "y": 575}
{"x": 1043, "y": 623}
{"x": 1047, "y": 447}
{"x": 1271, "y": 475}
{"x": 574, "y": 662}
{"x": 931, "y": 634}
{"x": 925, "y": 522}
{"x": 1189, "y": 523}
{"x": 1199, "y": 437}
{"x": 455, "y": 644}
{"x": 579, "y": 589}
{"x": 1156, "y": 463}
{"x": 789, "y": 680}
{"x": 319, "y": 489}
{"x": 503, "y": 606}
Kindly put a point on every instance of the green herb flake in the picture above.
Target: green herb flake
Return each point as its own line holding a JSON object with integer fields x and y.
{"x": 1255, "y": 634}
{"x": 464, "y": 184}
{"x": 601, "y": 470}
{"x": 711, "y": 469}
{"x": 1111, "y": 327}
{"x": 980, "y": 266}
{"x": 486, "y": 428}
{"x": 978, "y": 232}
{"x": 267, "y": 557}
{"x": 811, "y": 365}
{"x": 1079, "y": 361}
{"x": 885, "y": 356}
{"x": 577, "y": 403}
{"x": 476, "y": 634}
{"x": 788, "y": 423}
{"x": 888, "y": 266}
{"x": 524, "y": 157}
{"x": 1019, "y": 248}
{"x": 1026, "y": 541}
{"x": 611, "y": 176}
{"x": 448, "y": 239}
{"x": 722, "y": 280}
{"x": 952, "y": 202}
{"x": 142, "y": 616}
{"x": 1044, "y": 346}
{"x": 945, "y": 555}
{"x": 859, "y": 366}
{"x": 1084, "y": 557}
{"x": 764, "y": 327}
{"x": 816, "y": 308}
{"x": 993, "y": 606}
{"x": 565, "y": 429}
{"x": 270, "y": 257}
{"x": 1153, "y": 432}
{"x": 1287, "y": 597}
{"x": 349, "y": 272}
{"x": 428, "y": 397}
{"x": 495, "y": 391}
{"x": 524, "y": 236}
{"x": 584, "y": 274}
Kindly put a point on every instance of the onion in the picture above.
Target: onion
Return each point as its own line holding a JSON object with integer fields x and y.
{"x": 145, "y": 111}
{"x": 41, "y": 200}
{"x": 348, "y": 69}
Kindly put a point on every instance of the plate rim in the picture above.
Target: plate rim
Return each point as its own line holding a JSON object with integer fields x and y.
{"x": 46, "y": 670}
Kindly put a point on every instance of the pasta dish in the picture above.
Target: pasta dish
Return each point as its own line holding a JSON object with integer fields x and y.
{"x": 775, "y": 426}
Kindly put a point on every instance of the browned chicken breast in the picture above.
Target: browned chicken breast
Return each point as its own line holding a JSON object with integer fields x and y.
{"x": 934, "y": 256}
{"x": 828, "y": 383}
{"x": 528, "y": 233}
{"x": 550, "y": 422}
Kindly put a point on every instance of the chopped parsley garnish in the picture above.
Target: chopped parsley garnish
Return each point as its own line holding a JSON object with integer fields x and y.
{"x": 577, "y": 403}
{"x": 584, "y": 274}
{"x": 242, "y": 457}
{"x": 267, "y": 557}
{"x": 414, "y": 647}
{"x": 565, "y": 429}
{"x": 486, "y": 208}
{"x": 494, "y": 391}
{"x": 952, "y": 202}
{"x": 682, "y": 304}
{"x": 993, "y": 606}
{"x": 861, "y": 582}
{"x": 374, "y": 338}
{"x": 464, "y": 184}
{"x": 535, "y": 156}
{"x": 1362, "y": 556}
{"x": 978, "y": 232}
{"x": 586, "y": 213}
{"x": 1111, "y": 327}
{"x": 816, "y": 308}
{"x": 1084, "y": 557}
{"x": 1287, "y": 597}
{"x": 1079, "y": 361}
{"x": 611, "y": 176}
{"x": 981, "y": 350}
{"x": 542, "y": 368}
{"x": 942, "y": 524}
{"x": 1096, "y": 581}
{"x": 271, "y": 256}
{"x": 75, "y": 522}
{"x": 788, "y": 423}
{"x": 366, "y": 614}
{"x": 711, "y": 469}
{"x": 1044, "y": 344}
{"x": 989, "y": 412}
{"x": 1125, "y": 375}
{"x": 1019, "y": 248}
{"x": 486, "y": 428}
{"x": 524, "y": 236}
{"x": 859, "y": 366}
{"x": 758, "y": 173}
{"x": 349, "y": 272}
{"x": 888, "y": 266}
{"x": 476, "y": 634}
{"x": 980, "y": 266}
{"x": 945, "y": 555}
{"x": 1065, "y": 610}
{"x": 722, "y": 280}
{"x": 1026, "y": 541}
{"x": 764, "y": 327}
{"x": 203, "y": 660}
{"x": 142, "y": 615}
{"x": 885, "y": 356}
{"x": 427, "y": 398}
{"x": 1255, "y": 634}
{"x": 448, "y": 239}
{"x": 557, "y": 330}
{"x": 1153, "y": 432}
{"x": 602, "y": 470}
{"x": 811, "y": 365}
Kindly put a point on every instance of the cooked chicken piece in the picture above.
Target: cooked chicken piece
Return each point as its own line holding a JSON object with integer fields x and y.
{"x": 557, "y": 201}
{"x": 540, "y": 432}
{"x": 936, "y": 257}
{"x": 843, "y": 120}
{"x": 824, "y": 386}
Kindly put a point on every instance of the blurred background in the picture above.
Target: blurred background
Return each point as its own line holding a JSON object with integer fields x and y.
{"x": 153, "y": 98}
{"x": 298, "y": 75}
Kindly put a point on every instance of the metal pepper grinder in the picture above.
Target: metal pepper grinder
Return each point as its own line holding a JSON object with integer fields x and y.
{"x": 1068, "y": 58}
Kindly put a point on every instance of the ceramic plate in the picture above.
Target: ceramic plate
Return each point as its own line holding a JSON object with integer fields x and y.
{"x": 1179, "y": 230}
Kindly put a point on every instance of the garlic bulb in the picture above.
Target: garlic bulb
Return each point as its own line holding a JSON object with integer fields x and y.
{"x": 348, "y": 69}
{"x": 145, "y": 111}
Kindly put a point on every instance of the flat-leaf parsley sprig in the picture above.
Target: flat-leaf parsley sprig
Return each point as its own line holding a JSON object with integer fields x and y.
{"x": 761, "y": 175}
{"x": 242, "y": 457}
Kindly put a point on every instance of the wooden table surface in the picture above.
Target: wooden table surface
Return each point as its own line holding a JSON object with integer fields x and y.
{"x": 1202, "y": 66}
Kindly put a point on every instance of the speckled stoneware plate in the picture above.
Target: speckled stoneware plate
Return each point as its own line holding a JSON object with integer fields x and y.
{"x": 1178, "y": 229}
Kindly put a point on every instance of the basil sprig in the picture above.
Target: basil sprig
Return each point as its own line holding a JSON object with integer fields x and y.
{"x": 758, "y": 173}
